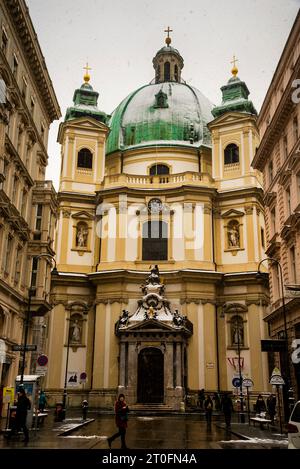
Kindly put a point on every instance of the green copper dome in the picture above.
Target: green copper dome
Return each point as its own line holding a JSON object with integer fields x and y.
{"x": 167, "y": 113}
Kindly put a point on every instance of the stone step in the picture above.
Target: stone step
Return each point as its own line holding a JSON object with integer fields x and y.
{"x": 151, "y": 408}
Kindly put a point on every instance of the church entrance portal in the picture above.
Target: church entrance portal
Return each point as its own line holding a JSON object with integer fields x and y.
{"x": 150, "y": 388}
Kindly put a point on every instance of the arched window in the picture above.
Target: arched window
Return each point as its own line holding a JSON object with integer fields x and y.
{"x": 155, "y": 241}
{"x": 237, "y": 330}
{"x": 2, "y": 320}
{"x": 85, "y": 159}
{"x": 158, "y": 169}
{"x": 167, "y": 71}
{"x": 176, "y": 72}
{"x": 231, "y": 154}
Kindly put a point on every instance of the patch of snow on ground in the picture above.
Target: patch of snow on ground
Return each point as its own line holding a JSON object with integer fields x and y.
{"x": 257, "y": 440}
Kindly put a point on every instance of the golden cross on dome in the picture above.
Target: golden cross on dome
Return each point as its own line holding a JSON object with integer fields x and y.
{"x": 168, "y": 39}
{"x": 87, "y": 75}
{"x": 234, "y": 70}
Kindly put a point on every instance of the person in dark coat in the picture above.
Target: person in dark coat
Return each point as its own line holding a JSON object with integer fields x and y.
{"x": 208, "y": 406}
{"x": 121, "y": 411}
{"x": 201, "y": 398}
{"x": 216, "y": 398}
{"x": 23, "y": 405}
{"x": 42, "y": 401}
{"x": 260, "y": 405}
{"x": 84, "y": 406}
{"x": 271, "y": 405}
{"x": 227, "y": 407}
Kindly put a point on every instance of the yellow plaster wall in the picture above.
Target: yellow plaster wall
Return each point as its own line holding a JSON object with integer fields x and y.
{"x": 99, "y": 351}
{"x": 56, "y": 346}
{"x": 210, "y": 346}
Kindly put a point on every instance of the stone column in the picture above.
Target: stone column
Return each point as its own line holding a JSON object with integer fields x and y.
{"x": 122, "y": 365}
{"x": 178, "y": 364}
{"x": 132, "y": 373}
{"x": 169, "y": 365}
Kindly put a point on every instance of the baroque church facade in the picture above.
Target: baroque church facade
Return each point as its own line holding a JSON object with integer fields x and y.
{"x": 159, "y": 234}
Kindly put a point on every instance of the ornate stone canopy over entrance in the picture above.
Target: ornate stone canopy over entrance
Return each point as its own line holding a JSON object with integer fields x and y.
{"x": 153, "y": 344}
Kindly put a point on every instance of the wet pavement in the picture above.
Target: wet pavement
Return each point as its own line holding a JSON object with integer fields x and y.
{"x": 146, "y": 432}
{"x": 151, "y": 432}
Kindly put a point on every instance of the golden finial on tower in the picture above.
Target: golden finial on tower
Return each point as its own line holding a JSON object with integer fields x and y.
{"x": 168, "y": 39}
{"x": 234, "y": 69}
{"x": 87, "y": 76}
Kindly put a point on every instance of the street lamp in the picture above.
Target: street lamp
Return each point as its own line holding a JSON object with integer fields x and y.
{"x": 31, "y": 291}
{"x": 288, "y": 388}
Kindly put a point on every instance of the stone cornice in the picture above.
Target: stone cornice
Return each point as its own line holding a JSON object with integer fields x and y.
{"x": 11, "y": 149}
{"x": 283, "y": 110}
{"x": 20, "y": 18}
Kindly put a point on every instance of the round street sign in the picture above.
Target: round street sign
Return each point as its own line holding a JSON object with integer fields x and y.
{"x": 42, "y": 360}
{"x": 247, "y": 382}
{"x": 277, "y": 380}
{"x": 236, "y": 382}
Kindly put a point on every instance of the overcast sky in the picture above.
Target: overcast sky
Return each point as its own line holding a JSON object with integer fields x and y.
{"x": 119, "y": 38}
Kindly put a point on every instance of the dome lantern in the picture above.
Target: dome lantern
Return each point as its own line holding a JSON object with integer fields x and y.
{"x": 168, "y": 62}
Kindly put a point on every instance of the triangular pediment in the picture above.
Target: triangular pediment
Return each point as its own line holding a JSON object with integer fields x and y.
{"x": 87, "y": 123}
{"x": 83, "y": 215}
{"x": 149, "y": 324}
{"x": 231, "y": 118}
{"x": 232, "y": 213}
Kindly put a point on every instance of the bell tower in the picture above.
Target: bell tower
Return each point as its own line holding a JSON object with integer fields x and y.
{"x": 234, "y": 135}
{"x": 168, "y": 63}
{"x": 82, "y": 136}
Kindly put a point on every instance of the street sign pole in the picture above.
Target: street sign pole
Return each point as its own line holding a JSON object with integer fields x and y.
{"x": 248, "y": 404}
{"x": 248, "y": 383}
{"x": 279, "y": 408}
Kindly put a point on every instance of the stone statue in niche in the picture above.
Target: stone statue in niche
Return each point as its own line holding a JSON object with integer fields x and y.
{"x": 233, "y": 233}
{"x": 81, "y": 236}
{"x": 237, "y": 333}
{"x": 75, "y": 331}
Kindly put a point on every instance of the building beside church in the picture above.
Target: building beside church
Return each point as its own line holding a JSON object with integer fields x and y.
{"x": 160, "y": 231}
{"x": 28, "y": 207}
{"x": 278, "y": 158}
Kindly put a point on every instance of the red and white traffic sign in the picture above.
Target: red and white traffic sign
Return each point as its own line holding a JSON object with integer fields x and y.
{"x": 42, "y": 360}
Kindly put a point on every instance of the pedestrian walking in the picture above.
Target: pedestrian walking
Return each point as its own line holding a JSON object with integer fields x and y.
{"x": 260, "y": 405}
{"x": 42, "y": 401}
{"x": 227, "y": 407}
{"x": 271, "y": 405}
{"x": 201, "y": 398}
{"x": 121, "y": 412}
{"x": 23, "y": 405}
{"x": 84, "y": 406}
{"x": 217, "y": 400}
{"x": 208, "y": 406}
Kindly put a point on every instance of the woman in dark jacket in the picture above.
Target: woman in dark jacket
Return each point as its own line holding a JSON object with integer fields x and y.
{"x": 121, "y": 411}
{"x": 260, "y": 405}
{"x": 208, "y": 405}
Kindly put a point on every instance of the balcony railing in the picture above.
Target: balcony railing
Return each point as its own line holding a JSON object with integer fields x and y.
{"x": 178, "y": 179}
